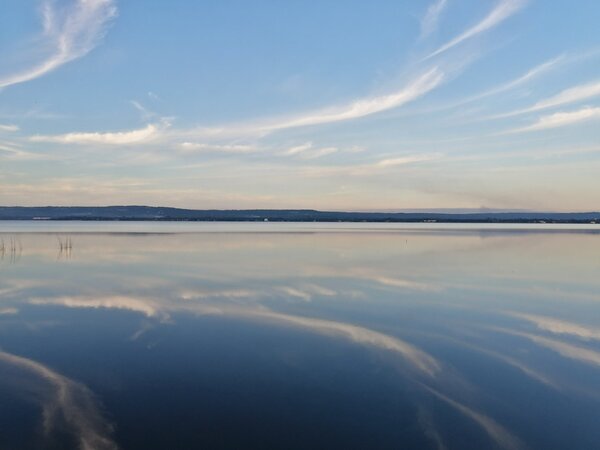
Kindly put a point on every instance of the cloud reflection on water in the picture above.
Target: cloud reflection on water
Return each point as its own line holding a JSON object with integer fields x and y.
{"x": 416, "y": 294}
{"x": 66, "y": 404}
{"x": 500, "y": 435}
{"x": 557, "y": 326}
{"x": 581, "y": 354}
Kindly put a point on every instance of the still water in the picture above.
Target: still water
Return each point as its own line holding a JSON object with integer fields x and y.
{"x": 299, "y": 336}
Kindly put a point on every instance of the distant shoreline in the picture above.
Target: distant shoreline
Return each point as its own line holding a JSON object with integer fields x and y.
{"x": 160, "y": 214}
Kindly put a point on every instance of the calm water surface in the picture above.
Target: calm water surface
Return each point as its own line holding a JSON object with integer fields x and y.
{"x": 299, "y": 336}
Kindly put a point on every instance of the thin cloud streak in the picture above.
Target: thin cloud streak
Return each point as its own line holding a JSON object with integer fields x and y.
{"x": 357, "y": 109}
{"x": 570, "y": 95}
{"x": 14, "y": 152}
{"x": 561, "y": 119}
{"x": 354, "y": 110}
{"x": 8, "y": 128}
{"x": 368, "y": 106}
{"x": 523, "y": 79}
{"x": 431, "y": 18}
{"x": 200, "y": 147}
{"x": 308, "y": 151}
{"x": 372, "y": 168}
{"x": 574, "y": 94}
{"x": 73, "y": 33}
{"x": 500, "y": 13}
{"x": 149, "y": 132}
{"x": 505, "y": 87}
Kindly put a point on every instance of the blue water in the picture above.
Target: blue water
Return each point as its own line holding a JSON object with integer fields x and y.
{"x": 228, "y": 336}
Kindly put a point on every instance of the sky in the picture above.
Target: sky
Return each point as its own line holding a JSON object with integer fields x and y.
{"x": 338, "y": 105}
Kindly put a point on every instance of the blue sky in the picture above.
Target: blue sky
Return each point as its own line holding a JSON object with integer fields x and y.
{"x": 331, "y": 105}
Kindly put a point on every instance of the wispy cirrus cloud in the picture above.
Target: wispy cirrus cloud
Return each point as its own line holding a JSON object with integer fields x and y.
{"x": 528, "y": 76}
{"x": 148, "y": 133}
{"x": 416, "y": 88}
{"x": 145, "y": 113}
{"x": 309, "y": 151}
{"x": 297, "y": 149}
{"x": 561, "y": 119}
{"x": 373, "y": 168}
{"x": 185, "y": 138}
{"x": 17, "y": 155}
{"x": 503, "y": 10}
{"x": 570, "y": 95}
{"x": 431, "y": 18}
{"x": 201, "y": 147}
{"x": 13, "y": 151}
{"x": 371, "y": 105}
{"x": 8, "y": 128}
{"x": 507, "y": 86}
{"x": 72, "y": 31}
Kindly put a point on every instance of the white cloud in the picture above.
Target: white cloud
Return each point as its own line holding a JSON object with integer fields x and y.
{"x": 9, "y": 128}
{"x": 503, "y": 10}
{"x": 308, "y": 151}
{"x": 368, "y": 106}
{"x": 147, "y": 133}
{"x": 318, "y": 153}
{"x": 72, "y": 31}
{"x": 403, "y": 160}
{"x": 562, "y": 119}
{"x": 14, "y": 152}
{"x": 145, "y": 113}
{"x": 298, "y": 149}
{"x": 432, "y": 16}
{"x": 418, "y": 87}
{"x": 372, "y": 168}
{"x": 570, "y": 95}
{"x": 194, "y": 147}
{"x": 526, "y": 77}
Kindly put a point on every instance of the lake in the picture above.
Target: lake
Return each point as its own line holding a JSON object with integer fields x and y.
{"x": 299, "y": 336}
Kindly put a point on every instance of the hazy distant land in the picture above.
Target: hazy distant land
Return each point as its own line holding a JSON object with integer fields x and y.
{"x": 150, "y": 213}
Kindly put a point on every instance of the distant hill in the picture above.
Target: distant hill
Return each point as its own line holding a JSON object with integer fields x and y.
{"x": 280, "y": 215}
